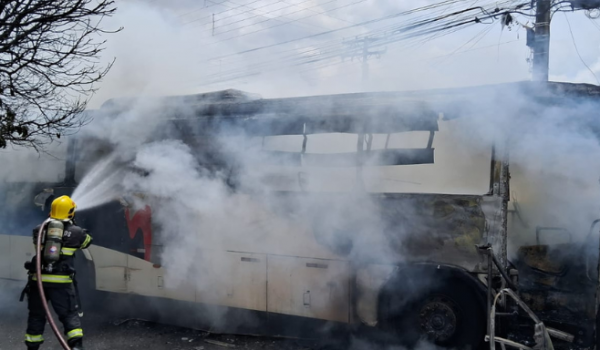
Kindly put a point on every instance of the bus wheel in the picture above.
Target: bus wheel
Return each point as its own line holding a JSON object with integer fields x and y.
{"x": 438, "y": 318}
{"x": 448, "y": 316}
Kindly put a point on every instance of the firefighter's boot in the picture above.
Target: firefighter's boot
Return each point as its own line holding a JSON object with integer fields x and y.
{"x": 33, "y": 347}
{"x": 76, "y": 344}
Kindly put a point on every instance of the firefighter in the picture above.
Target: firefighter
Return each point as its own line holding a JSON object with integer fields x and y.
{"x": 62, "y": 238}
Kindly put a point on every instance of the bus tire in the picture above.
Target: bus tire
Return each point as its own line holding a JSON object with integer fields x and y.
{"x": 449, "y": 313}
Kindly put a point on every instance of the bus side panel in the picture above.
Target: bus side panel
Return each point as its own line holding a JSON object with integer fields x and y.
{"x": 14, "y": 252}
{"x": 21, "y": 250}
{"x": 233, "y": 279}
{"x": 143, "y": 278}
{"x": 5, "y": 261}
{"x": 111, "y": 269}
{"x": 313, "y": 288}
{"x": 179, "y": 289}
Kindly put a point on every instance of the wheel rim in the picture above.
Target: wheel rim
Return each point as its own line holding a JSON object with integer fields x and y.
{"x": 438, "y": 319}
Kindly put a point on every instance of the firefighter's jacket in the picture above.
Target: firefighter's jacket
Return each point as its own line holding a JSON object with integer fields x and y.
{"x": 74, "y": 238}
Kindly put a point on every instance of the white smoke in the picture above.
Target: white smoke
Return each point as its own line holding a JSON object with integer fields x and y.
{"x": 554, "y": 161}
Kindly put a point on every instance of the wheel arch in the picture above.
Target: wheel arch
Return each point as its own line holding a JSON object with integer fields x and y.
{"x": 412, "y": 283}
{"x": 440, "y": 272}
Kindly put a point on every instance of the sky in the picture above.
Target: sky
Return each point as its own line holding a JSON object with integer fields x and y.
{"x": 168, "y": 48}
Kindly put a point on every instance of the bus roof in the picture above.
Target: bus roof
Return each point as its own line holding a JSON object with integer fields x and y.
{"x": 202, "y": 116}
{"x": 373, "y": 112}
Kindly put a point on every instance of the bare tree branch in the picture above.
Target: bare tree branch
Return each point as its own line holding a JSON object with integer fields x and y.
{"x": 49, "y": 63}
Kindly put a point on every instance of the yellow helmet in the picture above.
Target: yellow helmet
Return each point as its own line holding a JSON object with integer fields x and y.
{"x": 63, "y": 208}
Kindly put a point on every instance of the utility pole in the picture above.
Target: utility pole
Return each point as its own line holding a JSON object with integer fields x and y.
{"x": 541, "y": 40}
{"x": 359, "y": 47}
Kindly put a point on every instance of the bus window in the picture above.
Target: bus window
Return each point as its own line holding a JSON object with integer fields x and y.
{"x": 458, "y": 167}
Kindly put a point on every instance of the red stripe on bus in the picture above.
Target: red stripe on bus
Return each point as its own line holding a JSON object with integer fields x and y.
{"x": 141, "y": 220}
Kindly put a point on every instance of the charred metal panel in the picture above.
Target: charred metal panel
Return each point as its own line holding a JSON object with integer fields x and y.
{"x": 388, "y": 157}
{"x": 560, "y": 286}
{"x": 269, "y": 126}
{"x": 438, "y": 228}
{"x": 371, "y": 112}
{"x": 272, "y": 124}
{"x": 395, "y": 228}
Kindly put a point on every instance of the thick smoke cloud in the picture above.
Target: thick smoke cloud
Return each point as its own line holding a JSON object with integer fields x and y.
{"x": 553, "y": 158}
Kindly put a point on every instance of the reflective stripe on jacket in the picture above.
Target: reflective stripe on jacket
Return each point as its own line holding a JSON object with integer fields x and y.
{"x": 53, "y": 278}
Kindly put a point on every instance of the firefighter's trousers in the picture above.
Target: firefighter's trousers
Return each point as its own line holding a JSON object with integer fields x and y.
{"x": 64, "y": 302}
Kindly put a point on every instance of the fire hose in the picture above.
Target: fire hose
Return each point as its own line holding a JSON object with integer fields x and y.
{"x": 38, "y": 273}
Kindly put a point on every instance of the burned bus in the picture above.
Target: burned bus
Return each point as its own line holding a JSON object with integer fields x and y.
{"x": 392, "y": 213}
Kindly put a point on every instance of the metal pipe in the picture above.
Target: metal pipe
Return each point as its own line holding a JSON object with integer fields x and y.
{"x": 522, "y": 304}
{"x": 38, "y": 272}
{"x": 560, "y": 334}
{"x": 509, "y": 343}
{"x": 501, "y": 270}
{"x": 543, "y": 340}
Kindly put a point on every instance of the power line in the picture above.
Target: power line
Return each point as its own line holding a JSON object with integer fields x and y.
{"x": 268, "y": 18}
{"x": 331, "y": 64}
{"x": 577, "y": 50}
{"x": 339, "y": 19}
{"x": 429, "y": 59}
{"x": 482, "y": 33}
{"x": 301, "y": 61}
{"x": 254, "y": 9}
{"x": 433, "y": 6}
{"x": 334, "y": 53}
{"x": 247, "y": 5}
{"x": 298, "y": 4}
{"x": 425, "y": 27}
{"x": 278, "y": 25}
{"x": 224, "y": 11}
{"x": 202, "y": 8}
{"x": 403, "y": 13}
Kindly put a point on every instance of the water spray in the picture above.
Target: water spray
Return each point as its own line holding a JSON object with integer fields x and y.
{"x": 101, "y": 184}
{"x": 38, "y": 273}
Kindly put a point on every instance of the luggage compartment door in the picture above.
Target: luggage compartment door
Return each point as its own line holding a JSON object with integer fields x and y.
{"x": 309, "y": 287}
